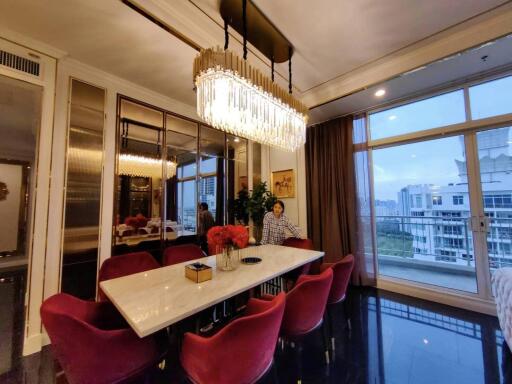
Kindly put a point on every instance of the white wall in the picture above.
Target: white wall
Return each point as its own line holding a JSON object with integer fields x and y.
{"x": 273, "y": 159}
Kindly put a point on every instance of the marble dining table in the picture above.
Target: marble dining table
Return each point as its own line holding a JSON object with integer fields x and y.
{"x": 153, "y": 300}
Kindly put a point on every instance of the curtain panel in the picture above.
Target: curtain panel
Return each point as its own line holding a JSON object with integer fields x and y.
{"x": 333, "y": 204}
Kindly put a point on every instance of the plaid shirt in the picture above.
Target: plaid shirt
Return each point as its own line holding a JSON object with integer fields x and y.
{"x": 274, "y": 229}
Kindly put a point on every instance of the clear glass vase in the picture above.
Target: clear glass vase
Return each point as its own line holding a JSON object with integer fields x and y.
{"x": 228, "y": 258}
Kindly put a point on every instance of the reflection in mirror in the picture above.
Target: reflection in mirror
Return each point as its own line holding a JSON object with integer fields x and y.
{"x": 256, "y": 163}
{"x": 20, "y": 113}
{"x": 181, "y": 141}
{"x": 140, "y": 174}
{"x": 83, "y": 190}
{"x": 211, "y": 172}
{"x": 237, "y": 176}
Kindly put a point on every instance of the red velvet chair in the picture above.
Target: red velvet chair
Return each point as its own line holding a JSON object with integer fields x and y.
{"x": 124, "y": 265}
{"x": 302, "y": 244}
{"x": 304, "y": 312}
{"x": 241, "y": 352}
{"x": 180, "y": 253}
{"x": 89, "y": 350}
{"x": 342, "y": 270}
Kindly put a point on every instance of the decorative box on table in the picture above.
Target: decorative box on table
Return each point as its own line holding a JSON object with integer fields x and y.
{"x": 198, "y": 272}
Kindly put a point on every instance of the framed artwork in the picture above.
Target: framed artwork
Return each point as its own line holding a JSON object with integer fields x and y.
{"x": 283, "y": 183}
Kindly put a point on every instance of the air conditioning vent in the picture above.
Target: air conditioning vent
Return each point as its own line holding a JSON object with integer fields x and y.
{"x": 19, "y": 63}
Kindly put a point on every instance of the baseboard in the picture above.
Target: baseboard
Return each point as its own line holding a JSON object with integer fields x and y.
{"x": 444, "y": 297}
{"x": 34, "y": 343}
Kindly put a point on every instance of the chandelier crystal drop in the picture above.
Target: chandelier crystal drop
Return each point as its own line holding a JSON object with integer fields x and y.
{"x": 240, "y": 100}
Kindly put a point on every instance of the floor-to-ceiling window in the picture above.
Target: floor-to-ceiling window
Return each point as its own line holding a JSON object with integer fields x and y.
{"x": 441, "y": 171}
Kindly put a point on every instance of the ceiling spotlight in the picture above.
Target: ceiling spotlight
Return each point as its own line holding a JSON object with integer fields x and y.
{"x": 380, "y": 93}
{"x": 392, "y": 117}
{"x": 237, "y": 139}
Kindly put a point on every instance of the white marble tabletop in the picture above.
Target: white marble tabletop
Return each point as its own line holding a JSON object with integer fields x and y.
{"x": 155, "y": 299}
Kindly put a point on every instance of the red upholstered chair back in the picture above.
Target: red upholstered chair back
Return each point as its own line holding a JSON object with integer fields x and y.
{"x": 302, "y": 244}
{"x": 241, "y": 352}
{"x": 89, "y": 353}
{"x": 305, "y": 303}
{"x": 180, "y": 253}
{"x": 341, "y": 277}
{"x": 124, "y": 265}
{"x": 298, "y": 243}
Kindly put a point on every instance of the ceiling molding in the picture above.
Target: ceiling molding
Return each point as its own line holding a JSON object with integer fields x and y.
{"x": 31, "y": 44}
{"x": 117, "y": 84}
{"x": 486, "y": 27}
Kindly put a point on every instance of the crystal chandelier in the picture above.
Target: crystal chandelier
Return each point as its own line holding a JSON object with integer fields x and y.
{"x": 142, "y": 166}
{"x": 237, "y": 98}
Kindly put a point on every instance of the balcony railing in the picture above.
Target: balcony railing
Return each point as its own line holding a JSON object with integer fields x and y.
{"x": 443, "y": 240}
{"x": 438, "y": 250}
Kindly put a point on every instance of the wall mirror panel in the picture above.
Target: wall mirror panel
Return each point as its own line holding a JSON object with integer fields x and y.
{"x": 140, "y": 175}
{"x": 166, "y": 166}
{"x": 237, "y": 180}
{"x": 181, "y": 207}
{"x": 83, "y": 189}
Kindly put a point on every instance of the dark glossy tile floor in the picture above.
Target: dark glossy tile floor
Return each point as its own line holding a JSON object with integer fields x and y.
{"x": 394, "y": 339}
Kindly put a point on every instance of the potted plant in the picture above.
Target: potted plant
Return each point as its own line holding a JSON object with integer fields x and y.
{"x": 260, "y": 201}
{"x": 240, "y": 209}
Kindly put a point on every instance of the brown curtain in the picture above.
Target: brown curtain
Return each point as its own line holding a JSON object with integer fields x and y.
{"x": 331, "y": 188}
{"x": 333, "y": 219}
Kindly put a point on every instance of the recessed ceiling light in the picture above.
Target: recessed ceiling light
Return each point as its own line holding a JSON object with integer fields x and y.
{"x": 392, "y": 117}
{"x": 380, "y": 92}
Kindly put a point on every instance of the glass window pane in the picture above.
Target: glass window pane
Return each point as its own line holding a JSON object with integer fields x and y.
{"x": 433, "y": 112}
{"x": 188, "y": 170}
{"x": 491, "y": 98}
{"x": 208, "y": 193}
{"x": 430, "y": 244}
{"x": 494, "y": 149}
{"x": 208, "y": 164}
{"x": 187, "y": 206}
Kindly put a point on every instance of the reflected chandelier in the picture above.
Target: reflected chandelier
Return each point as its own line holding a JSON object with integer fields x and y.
{"x": 142, "y": 166}
{"x": 237, "y": 98}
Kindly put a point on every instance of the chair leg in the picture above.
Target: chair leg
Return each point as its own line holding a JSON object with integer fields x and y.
{"x": 330, "y": 326}
{"x": 326, "y": 342}
{"x": 275, "y": 375}
{"x": 346, "y": 313}
{"x": 298, "y": 357}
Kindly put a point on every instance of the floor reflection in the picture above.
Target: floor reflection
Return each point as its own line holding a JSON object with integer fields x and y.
{"x": 394, "y": 339}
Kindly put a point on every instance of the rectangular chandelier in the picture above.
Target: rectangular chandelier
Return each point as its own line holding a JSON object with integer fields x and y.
{"x": 238, "y": 99}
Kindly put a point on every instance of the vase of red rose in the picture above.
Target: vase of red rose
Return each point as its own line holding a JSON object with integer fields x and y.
{"x": 225, "y": 242}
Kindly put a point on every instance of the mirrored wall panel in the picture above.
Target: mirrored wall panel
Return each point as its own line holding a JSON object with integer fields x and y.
{"x": 139, "y": 184}
{"x": 181, "y": 197}
{"x": 83, "y": 189}
{"x": 174, "y": 168}
{"x": 237, "y": 180}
